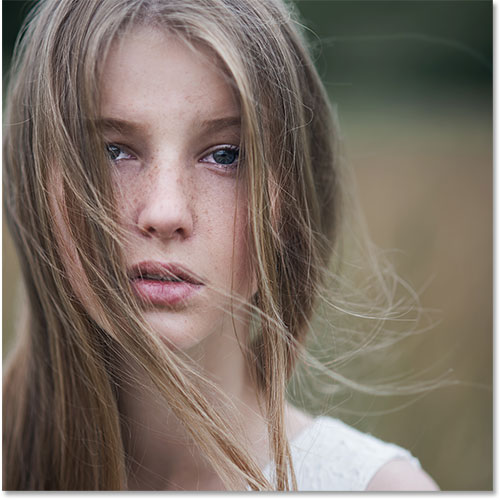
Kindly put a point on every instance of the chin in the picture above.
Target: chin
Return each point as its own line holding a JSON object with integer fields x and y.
{"x": 177, "y": 331}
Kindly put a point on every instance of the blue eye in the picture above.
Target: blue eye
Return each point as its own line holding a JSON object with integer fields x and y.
{"x": 117, "y": 153}
{"x": 224, "y": 156}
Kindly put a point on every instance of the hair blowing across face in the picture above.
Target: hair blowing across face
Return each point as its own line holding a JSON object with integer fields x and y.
{"x": 61, "y": 418}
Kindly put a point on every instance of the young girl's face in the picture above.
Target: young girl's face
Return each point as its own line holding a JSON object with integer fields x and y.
{"x": 172, "y": 127}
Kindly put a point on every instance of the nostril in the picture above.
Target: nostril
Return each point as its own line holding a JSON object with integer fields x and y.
{"x": 166, "y": 211}
{"x": 147, "y": 230}
{"x": 166, "y": 229}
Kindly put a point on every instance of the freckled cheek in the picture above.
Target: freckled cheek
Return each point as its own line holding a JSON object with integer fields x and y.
{"x": 224, "y": 237}
{"x": 127, "y": 192}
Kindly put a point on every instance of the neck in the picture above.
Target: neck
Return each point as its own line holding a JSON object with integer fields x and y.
{"x": 161, "y": 453}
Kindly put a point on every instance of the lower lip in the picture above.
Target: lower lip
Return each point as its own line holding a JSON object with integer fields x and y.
{"x": 164, "y": 293}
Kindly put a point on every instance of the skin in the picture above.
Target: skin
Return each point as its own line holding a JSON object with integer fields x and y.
{"x": 401, "y": 475}
{"x": 180, "y": 206}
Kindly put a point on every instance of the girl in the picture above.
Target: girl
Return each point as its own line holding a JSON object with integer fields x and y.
{"x": 173, "y": 189}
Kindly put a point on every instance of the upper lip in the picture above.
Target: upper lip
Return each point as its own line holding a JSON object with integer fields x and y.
{"x": 163, "y": 270}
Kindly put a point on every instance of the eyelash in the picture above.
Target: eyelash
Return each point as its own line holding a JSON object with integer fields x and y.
{"x": 205, "y": 159}
{"x": 223, "y": 148}
{"x": 121, "y": 149}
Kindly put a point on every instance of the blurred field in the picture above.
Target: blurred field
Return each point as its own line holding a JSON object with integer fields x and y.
{"x": 416, "y": 117}
{"x": 425, "y": 182}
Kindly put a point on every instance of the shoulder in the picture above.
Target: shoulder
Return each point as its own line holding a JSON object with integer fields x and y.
{"x": 332, "y": 456}
{"x": 401, "y": 475}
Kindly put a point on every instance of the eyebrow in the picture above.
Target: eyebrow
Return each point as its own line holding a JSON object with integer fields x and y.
{"x": 122, "y": 126}
{"x": 208, "y": 126}
{"x": 220, "y": 123}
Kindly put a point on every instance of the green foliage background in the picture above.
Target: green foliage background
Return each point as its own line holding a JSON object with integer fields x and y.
{"x": 412, "y": 84}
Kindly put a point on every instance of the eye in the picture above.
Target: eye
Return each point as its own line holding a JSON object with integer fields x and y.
{"x": 117, "y": 153}
{"x": 225, "y": 157}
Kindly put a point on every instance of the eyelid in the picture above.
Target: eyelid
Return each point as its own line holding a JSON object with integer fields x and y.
{"x": 218, "y": 147}
{"x": 125, "y": 149}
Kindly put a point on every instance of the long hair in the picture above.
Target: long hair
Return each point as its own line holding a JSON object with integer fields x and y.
{"x": 61, "y": 415}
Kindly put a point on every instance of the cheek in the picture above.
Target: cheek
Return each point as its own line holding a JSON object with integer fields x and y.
{"x": 73, "y": 268}
{"x": 242, "y": 262}
{"x": 65, "y": 244}
{"x": 126, "y": 194}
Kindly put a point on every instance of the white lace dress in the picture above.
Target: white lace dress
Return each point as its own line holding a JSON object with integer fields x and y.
{"x": 331, "y": 456}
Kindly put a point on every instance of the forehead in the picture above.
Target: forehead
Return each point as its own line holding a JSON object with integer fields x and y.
{"x": 148, "y": 68}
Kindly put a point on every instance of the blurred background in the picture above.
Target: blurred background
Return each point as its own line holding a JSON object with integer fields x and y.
{"x": 412, "y": 85}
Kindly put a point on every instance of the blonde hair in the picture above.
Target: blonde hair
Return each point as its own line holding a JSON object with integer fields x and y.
{"x": 62, "y": 420}
{"x": 61, "y": 417}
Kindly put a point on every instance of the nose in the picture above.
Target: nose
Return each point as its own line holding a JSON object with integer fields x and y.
{"x": 165, "y": 211}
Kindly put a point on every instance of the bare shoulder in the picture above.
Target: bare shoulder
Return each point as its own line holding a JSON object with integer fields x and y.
{"x": 401, "y": 475}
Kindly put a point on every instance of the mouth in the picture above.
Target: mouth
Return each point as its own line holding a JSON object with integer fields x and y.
{"x": 159, "y": 284}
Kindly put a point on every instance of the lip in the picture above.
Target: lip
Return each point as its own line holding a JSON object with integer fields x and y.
{"x": 149, "y": 288}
